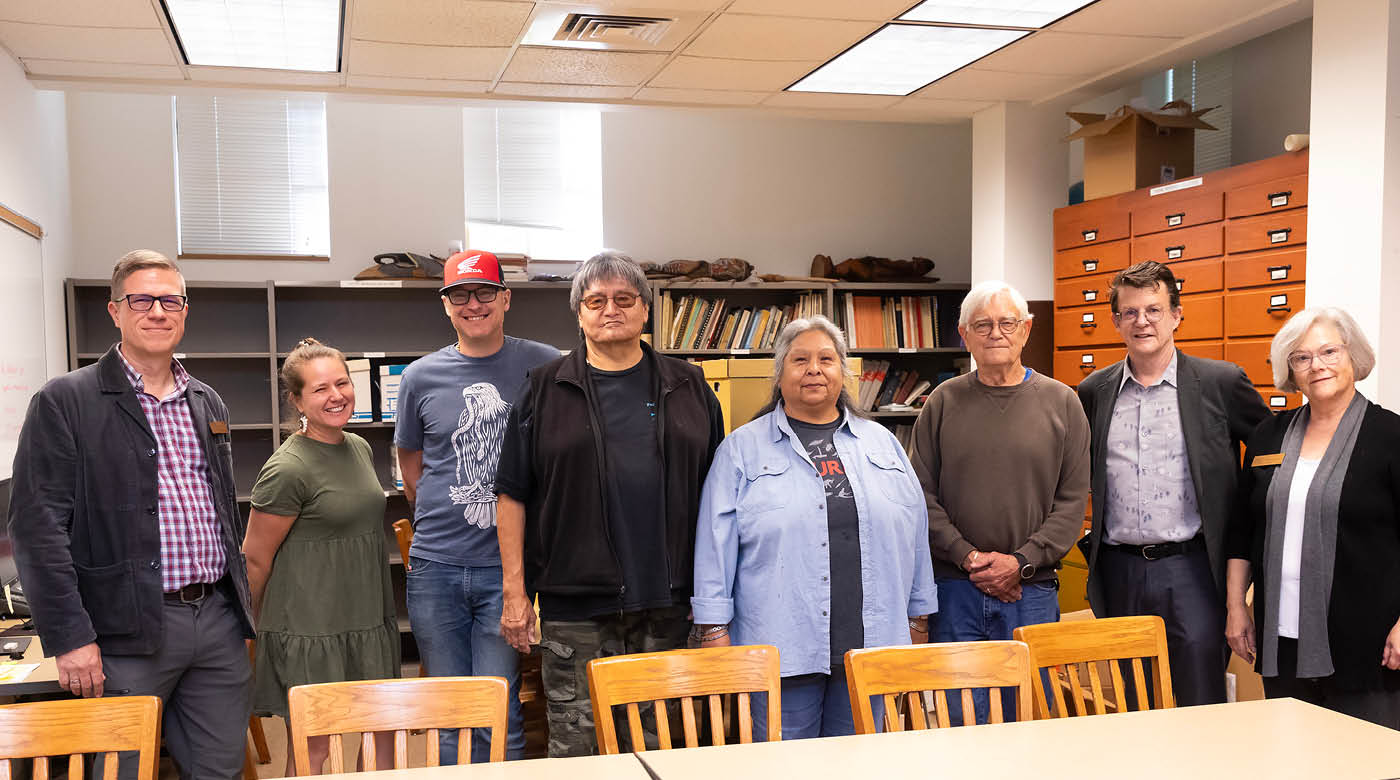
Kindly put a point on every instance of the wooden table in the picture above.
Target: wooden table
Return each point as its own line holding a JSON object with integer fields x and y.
{"x": 41, "y": 680}
{"x": 1278, "y": 738}
{"x": 619, "y": 767}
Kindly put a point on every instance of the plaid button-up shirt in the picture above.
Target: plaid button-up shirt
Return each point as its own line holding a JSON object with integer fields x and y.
{"x": 191, "y": 549}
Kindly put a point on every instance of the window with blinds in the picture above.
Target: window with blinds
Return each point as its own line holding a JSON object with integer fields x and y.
{"x": 252, "y": 177}
{"x": 533, "y": 180}
{"x": 1208, "y": 81}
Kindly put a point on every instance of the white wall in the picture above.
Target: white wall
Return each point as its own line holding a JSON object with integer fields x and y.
{"x": 1272, "y": 92}
{"x": 776, "y": 191}
{"x": 34, "y": 182}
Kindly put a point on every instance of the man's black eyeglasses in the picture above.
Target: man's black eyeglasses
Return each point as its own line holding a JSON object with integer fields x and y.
{"x": 459, "y": 296}
{"x": 143, "y": 302}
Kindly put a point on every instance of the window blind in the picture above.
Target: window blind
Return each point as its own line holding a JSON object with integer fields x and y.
{"x": 252, "y": 174}
{"x": 514, "y": 165}
{"x": 1212, "y": 84}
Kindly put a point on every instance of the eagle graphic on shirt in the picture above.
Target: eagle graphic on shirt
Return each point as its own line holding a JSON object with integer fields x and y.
{"x": 477, "y": 445}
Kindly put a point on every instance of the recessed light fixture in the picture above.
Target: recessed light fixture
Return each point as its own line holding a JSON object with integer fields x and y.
{"x": 998, "y": 13}
{"x": 281, "y": 34}
{"x": 901, "y": 58}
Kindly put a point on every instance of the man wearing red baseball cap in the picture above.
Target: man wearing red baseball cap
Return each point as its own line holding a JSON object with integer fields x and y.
{"x": 453, "y": 408}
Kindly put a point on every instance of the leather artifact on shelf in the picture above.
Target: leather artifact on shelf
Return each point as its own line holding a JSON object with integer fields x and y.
{"x": 403, "y": 265}
{"x": 725, "y": 269}
{"x": 873, "y": 269}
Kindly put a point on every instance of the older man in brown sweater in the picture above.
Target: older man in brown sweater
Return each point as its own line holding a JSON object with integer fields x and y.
{"x": 1003, "y": 455}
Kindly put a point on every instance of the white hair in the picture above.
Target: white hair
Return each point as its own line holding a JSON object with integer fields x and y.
{"x": 982, "y": 294}
{"x": 783, "y": 346}
{"x": 1363, "y": 357}
{"x": 609, "y": 265}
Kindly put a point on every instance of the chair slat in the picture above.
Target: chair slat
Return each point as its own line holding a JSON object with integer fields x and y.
{"x": 994, "y": 714}
{"x": 940, "y": 708}
{"x": 692, "y": 735}
{"x": 634, "y": 728}
{"x": 1095, "y": 685}
{"x": 1072, "y": 671}
{"x": 41, "y": 767}
{"x": 1115, "y": 675}
{"x": 109, "y": 766}
{"x": 1140, "y": 684}
{"x": 969, "y": 713}
{"x": 1122, "y": 643}
{"x": 369, "y": 760}
{"x": 916, "y": 710}
{"x": 745, "y": 719}
{"x": 5, "y": 768}
{"x": 337, "y": 750}
{"x": 401, "y": 749}
{"x": 75, "y": 767}
{"x": 892, "y": 720}
{"x": 464, "y": 754}
{"x": 663, "y": 724}
{"x": 717, "y": 719}
{"x": 434, "y": 758}
{"x": 1057, "y": 676}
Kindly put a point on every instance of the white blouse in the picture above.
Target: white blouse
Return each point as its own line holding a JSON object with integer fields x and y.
{"x": 1293, "y": 547}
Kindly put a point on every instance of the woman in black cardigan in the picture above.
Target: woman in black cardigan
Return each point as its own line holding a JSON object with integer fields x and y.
{"x": 1317, "y": 529}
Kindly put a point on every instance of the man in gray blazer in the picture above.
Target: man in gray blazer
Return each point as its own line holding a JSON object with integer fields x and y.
{"x": 1165, "y": 453}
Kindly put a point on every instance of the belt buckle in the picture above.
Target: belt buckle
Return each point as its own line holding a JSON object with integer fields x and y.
{"x": 202, "y": 592}
{"x": 1147, "y": 554}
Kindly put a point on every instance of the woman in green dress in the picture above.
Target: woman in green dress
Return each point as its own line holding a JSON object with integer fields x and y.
{"x": 316, "y": 554}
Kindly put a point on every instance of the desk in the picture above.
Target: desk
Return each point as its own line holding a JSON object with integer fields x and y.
{"x": 1275, "y": 738}
{"x": 41, "y": 680}
{"x": 618, "y": 767}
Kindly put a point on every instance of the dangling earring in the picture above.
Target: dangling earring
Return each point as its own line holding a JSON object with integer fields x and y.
{"x": 303, "y": 423}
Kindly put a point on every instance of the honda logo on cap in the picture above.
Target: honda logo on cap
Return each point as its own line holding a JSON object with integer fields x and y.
{"x": 467, "y": 265}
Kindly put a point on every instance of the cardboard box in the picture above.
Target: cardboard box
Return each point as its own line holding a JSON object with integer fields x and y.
{"x": 1130, "y": 148}
{"x": 743, "y": 386}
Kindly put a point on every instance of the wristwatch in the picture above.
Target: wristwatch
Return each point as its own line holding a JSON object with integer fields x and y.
{"x": 1027, "y": 570}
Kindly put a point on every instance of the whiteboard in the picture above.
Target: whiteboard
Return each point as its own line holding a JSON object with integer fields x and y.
{"x": 22, "y": 362}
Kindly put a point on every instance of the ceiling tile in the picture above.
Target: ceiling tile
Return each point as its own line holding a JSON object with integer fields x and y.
{"x": 701, "y": 96}
{"x": 108, "y": 70}
{"x": 735, "y": 36}
{"x": 1142, "y": 17}
{"x": 641, "y": 7}
{"x": 864, "y": 10}
{"x": 573, "y": 66}
{"x": 703, "y": 73}
{"x": 564, "y": 90}
{"x": 263, "y": 76}
{"x": 829, "y": 100}
{"x": 90, "y": 44}
{"x": 1072, "y": 54}
{"x": 939, "y": 109}
{"x": 418, "y": 85}
{"x": 83, "y": 13}
{"x": 977, "y": 84}
{"x": 428, "y": 62}
{"x": 440, "y": 22}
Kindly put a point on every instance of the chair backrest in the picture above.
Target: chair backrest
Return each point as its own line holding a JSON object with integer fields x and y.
{"x": 685, "y": 675}
{"x": 910, "y": 670}
{"x": 403, "y": 534}
{"x": 72, "y": 727}
{"x": 367, "y": 706}
{"x": 1071, "y": 653}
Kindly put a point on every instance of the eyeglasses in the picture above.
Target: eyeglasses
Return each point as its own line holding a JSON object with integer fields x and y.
{"x": 623, "y": 300}
{"x": 1329, "y": 354}
{"x": 1153, "y": 314}
{"x": 1007, "y": 326}
{"x": 142, "y": 302}
{"x": 460, "y": 296}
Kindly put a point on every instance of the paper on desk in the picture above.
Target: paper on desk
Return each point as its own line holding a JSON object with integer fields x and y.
{"x": 13, "y": 673}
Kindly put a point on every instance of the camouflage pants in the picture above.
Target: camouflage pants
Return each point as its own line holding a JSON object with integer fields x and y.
{"x": 566, "y": 648}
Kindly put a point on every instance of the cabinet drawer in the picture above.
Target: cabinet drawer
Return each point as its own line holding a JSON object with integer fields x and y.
{"x": 1088, "y": 326}
{"x": 1199, "y": 276}
{"x": 1072, "y": 365}
{"x": 1271, "y": 268}
{"x": 1177, "y": 213}
{"x": 1175, "y": 245}
{"x": 1268, "y": 197}
{"x": 1210, "y": 350}
{"x": 1261, "y": 312}
{"x": 1200, "y": 317}
{"x": 1253, "y": 356}
{"x": 1083, "y": 291}
{"x": 1271, "y": 230}
{"x": 1087, "y": 260}
{"x": 1277, "y": 400}
{"x": 1093, "y": 225}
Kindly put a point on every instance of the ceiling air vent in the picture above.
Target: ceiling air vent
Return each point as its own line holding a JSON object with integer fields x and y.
{"x": 619, "y": 29}
{"x": 612, "y": 28}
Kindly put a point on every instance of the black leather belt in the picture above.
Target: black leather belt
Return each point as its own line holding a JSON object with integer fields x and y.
{"x": 193, "y": 593}
{"x": 1156, "y": 552}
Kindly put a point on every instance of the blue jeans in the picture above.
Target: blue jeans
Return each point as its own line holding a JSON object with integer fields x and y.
{"x": 814, "y": 705}
{"x": 456, "y": 617}
{"x": 966, "y": 614}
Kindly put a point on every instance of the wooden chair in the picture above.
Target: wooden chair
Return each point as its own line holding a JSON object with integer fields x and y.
{"x": 907, "y": 671}
{"x": 367, "y": 706}
{"x": 684, "y": 674}
{"x": 73, "y": 727}
{"x": 1071, "y": 651}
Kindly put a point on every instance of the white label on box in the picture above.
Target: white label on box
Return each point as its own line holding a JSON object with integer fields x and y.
{"x": 1087, "y": 317}
{"x": 1174, "y": 220}
{"x": 1090, "y": 235}
{"x": 1174, "y": 253}
{"x": 179, "y": 356}
{"x": 1091, "y": 295}
{"x": 374, "y": 354}
{"x": 1278, "y": 236}
{"x": 1091, "y": 265}
{"x": 1278, "y": 300}
{"x": 1278, "y": 400}
{"x": 371, "y": 283}
{"x": 738, "y": 352}
{"x": 1278, "y": 273}
{"x": 1278, "y": 200}
{"x": 1184, "y": 184}
{"x": 907, "y": 350}
{"x": 1087, "y": 357}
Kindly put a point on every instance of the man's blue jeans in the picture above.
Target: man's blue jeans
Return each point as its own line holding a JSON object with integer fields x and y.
{"x": 456, "y": 617}
{"x": 966, "y": 614}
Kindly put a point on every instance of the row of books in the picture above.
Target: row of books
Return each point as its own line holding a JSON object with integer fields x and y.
{"x": 882, "y": 385}
{"x": 692, "y": 322}
{"x": 889, "y": 322}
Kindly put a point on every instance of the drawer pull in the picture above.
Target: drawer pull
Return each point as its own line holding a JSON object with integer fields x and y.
{"x": 1175, "y": 252}
{"x": 1090, "y": 295}
{"x": 1090, "y": 235}
{"x": 1091, "y": 265}
{"x": 1088, "y": 325}
{"x": 1273, "y": 309}
{"x": 1086, "y": 367}
{"x": 1277, "y": 199}
{"x": 1277, "y": 272}
{"x": 1279, "y": 235}
{"x": 1175, "y": 219}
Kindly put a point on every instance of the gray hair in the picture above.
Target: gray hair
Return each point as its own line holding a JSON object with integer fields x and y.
{"x": 783, "y": 345}
{"x": 608, "y": 265}
{"x": 1363, "y": 357}
{"x": 982, "y": 294}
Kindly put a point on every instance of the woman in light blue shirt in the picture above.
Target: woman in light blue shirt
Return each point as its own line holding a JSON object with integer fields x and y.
{"x": 812, "y": 536}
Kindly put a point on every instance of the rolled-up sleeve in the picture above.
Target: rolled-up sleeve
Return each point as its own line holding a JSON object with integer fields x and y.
{"x": 717, "y": 539}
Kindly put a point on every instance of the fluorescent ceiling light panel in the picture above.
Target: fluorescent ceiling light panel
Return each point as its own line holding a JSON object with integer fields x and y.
{"x": 281, "y": 34}
{"x": 901, "y": 58}
{"x": 1002, "y": 13}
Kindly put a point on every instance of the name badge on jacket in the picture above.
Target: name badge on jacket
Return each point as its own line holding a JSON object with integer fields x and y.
{"x": 1275, "y": 459}
{"x": 218, "y": 426}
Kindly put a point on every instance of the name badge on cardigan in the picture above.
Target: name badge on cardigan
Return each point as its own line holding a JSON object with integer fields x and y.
{"x": 219, "y": 426}
{"x": 1275, "y": 459}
